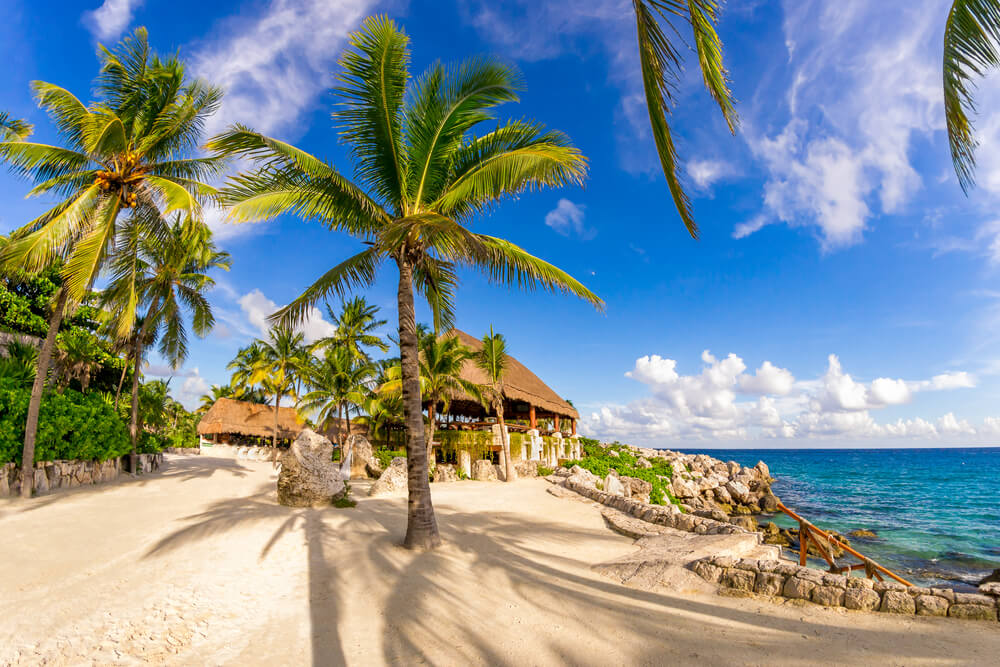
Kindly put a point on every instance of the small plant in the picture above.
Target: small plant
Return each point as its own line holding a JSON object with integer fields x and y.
{"x": 599, "y": 461}
{"x": 545, "y": 471}
{"x": 345, "y": 502}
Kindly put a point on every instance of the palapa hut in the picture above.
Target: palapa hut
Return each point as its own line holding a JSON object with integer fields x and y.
{"x": 527, "y": 399}
{"x": 231, "y": 422}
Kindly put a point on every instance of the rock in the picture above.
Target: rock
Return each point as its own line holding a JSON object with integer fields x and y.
{"x": 484, "y": 471}
{"x": 898, "y": 602}
{"x": 722, "y": 495}
{"x": 584, "y": 476}
{"x": 613, "y": 453}
{"x": 931, "y": 605}
{"x": 707, "y": 571}
{"x": 393, "y": 479}
{"x": 640, "y": 488}
{"x": 445, "y": 472}
{"x": 613, "y": 485}
{"x": 374, "y": 468}
{"x": 528, "y": 468}
{"x": 769, "y": 583}
{"x": 361, "y": 455}
{"x": 992, "y": 588}
{"x": 741, "y": 580}
{"x": 763, "y": 470}
{"x": 747, "y": 523}
{"x": 992, "y": 578}
{"x": 309, "y": 477}
{"x": 798, "y": 589}
{"x": 862, "y": 533}
{"x": 739, "y": 491}
{"x": 828, "y": 596}
{"x": 643, "y": 462}
{"x": 683, "y": 488}
{"x": 769, "y": 503}
{"x": 862, "y": 598}
{"x": 973, "y": 612}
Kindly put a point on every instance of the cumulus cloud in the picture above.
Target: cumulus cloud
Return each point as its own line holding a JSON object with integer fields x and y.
{"x": 567, "y": 219}
{"x": 257, "y": 308}
{"x": 110, "y": 19}
{"x": 704, "y": 173}
{"x": 725, "y": 402}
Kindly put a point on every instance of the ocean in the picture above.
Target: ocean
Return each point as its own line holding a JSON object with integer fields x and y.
{"x": 936, "y": 511}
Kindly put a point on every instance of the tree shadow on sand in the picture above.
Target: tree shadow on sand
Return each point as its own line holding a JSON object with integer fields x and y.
{"x": 432, "y": 609}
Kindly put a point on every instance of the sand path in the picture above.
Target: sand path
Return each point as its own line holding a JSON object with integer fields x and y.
{"x": 197, "y": 564}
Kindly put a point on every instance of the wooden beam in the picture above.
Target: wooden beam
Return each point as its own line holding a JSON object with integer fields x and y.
{"x": 555, "y": 421}
{"x": 572, "y": 425}
{"x": 531, "y": 417}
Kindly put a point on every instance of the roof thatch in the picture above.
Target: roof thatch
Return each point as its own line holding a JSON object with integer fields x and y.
{"x": 229, "y": 416}
{"x": 520, "y": 384}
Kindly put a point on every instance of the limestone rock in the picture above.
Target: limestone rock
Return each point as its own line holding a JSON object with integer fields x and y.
{"x": 484, "y": 471}
{"x": 613, "y": 485}
{"x": 763, "y": 470}
{"x": 863, "y": 534}
{"x": 643, "y": 462}
{"x": 361, "y": 455}
{"x": 864, "y": 599}
{"x": 797, "y": 588}
{"x": 741, "y": 580}
{"x": 769, "y": 503}
{"x": 393, "y": 479}
{"x": 613, "y": 453}
{"x": 527, "y": 468}
{"x": 584, "y": 476}
{"x": 445, "y": 472}
{"x": 992, "y": 578}
{"x": 309, "y": 477}
{"x": 973, "y": 612}
{"x": 829, "y": 596}
{"x": 769, "y": 583}
{"x": 683, "y": 488}
{"x": 991, "y": 588}
{"x": 739, "y": 491}
{"x": 898, "y": 602}
{"x": 931, "y": 605}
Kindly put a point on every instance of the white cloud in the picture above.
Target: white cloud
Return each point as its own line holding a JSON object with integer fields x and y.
{"x": 724, "y": 402}
{"x": 257, "y": 308}
{"x": 747, "y": 228}
{"x": 110, "y": 19}
{"x": 567, "y": 219}
{"x": 704, "y": 173}
{"x": 274, "y": 66}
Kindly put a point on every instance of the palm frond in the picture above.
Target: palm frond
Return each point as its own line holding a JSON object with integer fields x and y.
{"x": 14, "y": 129}
{"x": 704, "y": 16}
{"x": 69, "y": 115}
{"x": 37, "y": 244}
{"x": 373, "y": 84}
{"x": 971, "y": 37}
{"x": 437, "y": 282}
{"x": 356, "y": 271}
{"x": 42, "y": 162}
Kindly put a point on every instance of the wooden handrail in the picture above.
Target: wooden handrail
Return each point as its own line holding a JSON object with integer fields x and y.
{"x": 805, "y": 529}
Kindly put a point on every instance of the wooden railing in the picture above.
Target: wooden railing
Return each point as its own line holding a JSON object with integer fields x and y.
{"x": 822, "y": 541}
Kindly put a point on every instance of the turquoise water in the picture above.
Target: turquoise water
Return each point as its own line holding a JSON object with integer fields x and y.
{"x": 936, "y": 511}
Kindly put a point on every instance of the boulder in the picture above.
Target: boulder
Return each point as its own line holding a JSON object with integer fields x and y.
{"x": 739, "y": 491}
{"x": 722, "y": 495}
{"x": 991, "y": 588}
{"x": 484, "y": 471}
{"x": 309, "y": 477}
{"x": 862, "y": 599}
{"x": 640, "y": 488}
{"x": 931, "y": 605}
{"x": 683, "y": 488}
{"x": 898, "y": 602}
{"x": 445, "y": 472}
{"x": 643, "y": 462}
{"x": 769, "y": 503}
{"x": 527, "y": 468}
{"x": 584, "y": 476}
{"x": 992, "y": 578}
{"x": 613, "y": 453}
{"x": 763, "y": 470}
{"x": 613, "y": 485}
{"x": 374, "y": 468}
{"x": 361, "y": 455}
{"x": 393, "y": 479}
{"x": 864, "y": 534}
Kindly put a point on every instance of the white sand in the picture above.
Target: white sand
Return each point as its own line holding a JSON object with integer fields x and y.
{"x": 197, "y": 564}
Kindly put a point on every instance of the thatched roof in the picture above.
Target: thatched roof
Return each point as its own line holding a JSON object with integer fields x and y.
{"x": 520, "y": 384}
{"x": 229, "y": 416}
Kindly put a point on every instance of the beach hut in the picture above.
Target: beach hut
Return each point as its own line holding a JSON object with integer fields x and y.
{"x": 231, "y": 422}
{"x": 529, "y": 403}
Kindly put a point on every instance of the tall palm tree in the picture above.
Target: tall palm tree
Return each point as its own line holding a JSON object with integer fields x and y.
{"x": 14, "y": 129}
{"x": 128, "y": 152}
{"x": 422, "y": 176}
{"x": 660, "y": 42}
{"x": 170, "y": 274}
{"x": 492, "y": 360}
{"x": 276, "y": 365}
{"x": 215, "y": 393}
{"x": 340, "y": 382}
{"x": 970, "y": 50}
{"x": 356, "y": 325}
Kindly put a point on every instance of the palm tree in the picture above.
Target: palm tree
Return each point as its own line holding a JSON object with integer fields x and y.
{"x": 356, "y": 326}
{"x": 170, "y": 274}
{"x": 422, "y": 176}
{"x": 273, "y": 364}
{"x": 127, "y": 152}
{"x": 13, "y": 129}
{"x": 970, "y": 51}
{"x": 216, "y": 392}
{"x": 340, "y": 381}
{"x": 18, "y": 363}
{"x": 492, "y": 360}
{"x": 661, "y": 62}
{"x": 75, "y": 357}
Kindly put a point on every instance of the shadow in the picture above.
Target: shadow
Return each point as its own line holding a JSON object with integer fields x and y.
{"x": 510, "y": 587}
{"x": 177, "y": 466}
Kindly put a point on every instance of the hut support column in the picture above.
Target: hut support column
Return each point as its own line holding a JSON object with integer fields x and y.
{"x": 572, "y": 425}
{"x": 555, "y": 422}
{"x": 531, "y": 417}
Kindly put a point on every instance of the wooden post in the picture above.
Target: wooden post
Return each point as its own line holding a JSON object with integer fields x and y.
{"x": 531, "y": 417}
{"x": 572, "y": 425}
{"x": 555, "y": 422}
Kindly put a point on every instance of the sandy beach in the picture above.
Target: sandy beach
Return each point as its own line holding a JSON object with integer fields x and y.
{"x": 198, "y": 564}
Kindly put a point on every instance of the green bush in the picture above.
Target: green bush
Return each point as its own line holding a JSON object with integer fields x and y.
{"x": 477, "y": 443}
{"x": 385, "y": 456}
{"x": 597, "y": 460}
{"x": 516, "y": 444}
{"x": 71, "y": 425}
{"x": 544, "y": 471}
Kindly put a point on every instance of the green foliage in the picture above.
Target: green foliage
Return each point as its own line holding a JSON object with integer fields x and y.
{"x": 344, "y": 502}
{"x": 545, "y": 471}
{"x": 477, "y": 443}
{"x": 71, "y": 425}
{"x": 516, "y": 443}
{"x": 599, "y": 461}
{"x": 385, "y": 456}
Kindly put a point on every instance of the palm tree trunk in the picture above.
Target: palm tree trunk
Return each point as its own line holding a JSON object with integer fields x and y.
{"x": 121, "y": 380}
{"x": 133, "y": 424}
{"x": 35, "y": 403}
{"x": 421, "y": 525}
{"x": 274, "y": 436}
{"x": 430, "y": 429}
{"x": 505, "y": 439}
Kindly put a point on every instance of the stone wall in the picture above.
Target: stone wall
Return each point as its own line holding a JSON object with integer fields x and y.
{"x": 54, "y": 475}
{"x": 789, "y": 580}
{"x": 183, "y": 450}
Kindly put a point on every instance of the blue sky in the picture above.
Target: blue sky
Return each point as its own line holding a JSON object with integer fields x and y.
{"x": 844, "y": 290}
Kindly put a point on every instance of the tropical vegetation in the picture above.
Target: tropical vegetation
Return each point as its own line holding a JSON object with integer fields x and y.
{"x": 422, "y": 175}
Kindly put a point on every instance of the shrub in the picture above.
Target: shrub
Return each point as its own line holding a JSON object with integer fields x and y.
{"x": 385, "y": 456}
{"x": 597, "y": 460}
{"x": 545, "y": 471}
{"x": 71, "y": 425}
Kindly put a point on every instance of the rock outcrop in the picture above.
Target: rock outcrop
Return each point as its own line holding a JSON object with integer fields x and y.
{"x": 309, "y": 477}
{"x": 361, "y": 455}
{"x": 445, "y": 472}
{"x": 484, "y": 471}
{"x": 393, "y": 479}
